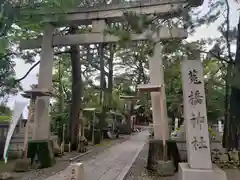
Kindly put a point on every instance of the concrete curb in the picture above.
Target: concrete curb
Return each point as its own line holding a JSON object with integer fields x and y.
{"x": 78, "y": 156}
{"x": 124, "y": 172}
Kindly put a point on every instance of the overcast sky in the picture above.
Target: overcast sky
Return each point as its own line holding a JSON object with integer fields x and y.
{"x": 203, "y": 32}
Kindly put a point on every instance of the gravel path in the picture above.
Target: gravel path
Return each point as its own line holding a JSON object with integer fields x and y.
{"x": 62, "y": 163}
{"x": 111, "y": 164}
{"x": 139, "y": 172}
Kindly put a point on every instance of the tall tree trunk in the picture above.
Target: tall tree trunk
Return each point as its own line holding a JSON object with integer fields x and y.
{"x": 60, "y": 89}
{"x": 234, "y": 114}
{"x": 110, "y": 75}
{"x": 103, "y": 94}
{"x": 140, "y": 70}
{"x": 76, "y": 92}
{"x": 102, "y": 74}
{"x": 226, "y": 104}
{"x": 143, "y": 77}
{"x": 139, "y": 75}
{"x": 141, "y": 66}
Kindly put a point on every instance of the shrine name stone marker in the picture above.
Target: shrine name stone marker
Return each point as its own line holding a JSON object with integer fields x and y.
{"x": 195, "y": 115}
{"x": 199, "y": 164}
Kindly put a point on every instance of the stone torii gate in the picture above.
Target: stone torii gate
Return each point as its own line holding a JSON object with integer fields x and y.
{"x": 97, "y": 17}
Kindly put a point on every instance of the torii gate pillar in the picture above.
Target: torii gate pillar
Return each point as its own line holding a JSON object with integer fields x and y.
{"x": 157, "y": 78}
{"x": 41, "y": 131}
{"x": 41, "y": 118}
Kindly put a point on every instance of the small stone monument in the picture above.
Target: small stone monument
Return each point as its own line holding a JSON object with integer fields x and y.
{"x": 199, "y": 164}
{"x": 76, "y": 171}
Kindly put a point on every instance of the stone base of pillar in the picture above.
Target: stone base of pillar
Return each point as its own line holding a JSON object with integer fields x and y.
{"x": 155, "y": 153}
{"x": 42, "y": 152}
{"x": 186, "y": 173}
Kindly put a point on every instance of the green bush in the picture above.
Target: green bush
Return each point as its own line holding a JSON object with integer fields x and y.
{"x": 88, "y": 134}
{"x": 58, "y": 120}
{"x": 212, "y": 133}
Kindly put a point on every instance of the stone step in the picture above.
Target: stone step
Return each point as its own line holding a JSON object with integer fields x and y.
{"x": 15, "y": 140}
{"x": 23, "y": 134}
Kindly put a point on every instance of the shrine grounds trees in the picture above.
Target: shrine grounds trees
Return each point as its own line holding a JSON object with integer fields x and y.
{"x": 232, "y": 124}
{"x": 222, "y": 51}
{"x": 96, "y": 75}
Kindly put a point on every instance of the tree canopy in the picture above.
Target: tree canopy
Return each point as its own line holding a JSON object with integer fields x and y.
{"x": 105, "y": 71}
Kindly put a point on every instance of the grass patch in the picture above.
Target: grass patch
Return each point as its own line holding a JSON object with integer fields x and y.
{"x": 1, "y": 162}
{"x": 106, "y": 142}
{"x": 7, "y": 167}
{"x": 4, "y": 118}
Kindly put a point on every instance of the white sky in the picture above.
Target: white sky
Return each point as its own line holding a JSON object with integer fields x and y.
{"x": 202, "y": 32}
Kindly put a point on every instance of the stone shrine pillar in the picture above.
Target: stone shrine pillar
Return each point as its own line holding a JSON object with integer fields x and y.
{"x": 157, "y": 78}
{"x": 41, "y": 117}
{"x": 199, "y": 164}
{"x": 40, "y": 145}
{"x": 30, "y": 123}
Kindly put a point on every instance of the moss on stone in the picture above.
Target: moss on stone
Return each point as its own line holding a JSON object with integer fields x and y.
{"x": 155, "y": 153}
{"x": 43, "y": 149}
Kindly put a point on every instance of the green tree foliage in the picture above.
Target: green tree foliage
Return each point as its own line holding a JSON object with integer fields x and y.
{"x": 4, "y": 110}
{"x": 7, "y": 75}
{"x": 119, "y": 68}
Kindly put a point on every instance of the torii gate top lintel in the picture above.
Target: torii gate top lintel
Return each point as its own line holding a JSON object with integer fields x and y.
{"x": 113, "y": 12}
{"x": 166, "y": 8}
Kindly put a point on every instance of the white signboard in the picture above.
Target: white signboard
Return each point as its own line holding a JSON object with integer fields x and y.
{"x": 17, "y": 111}
{"x": 195, "y": 115}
